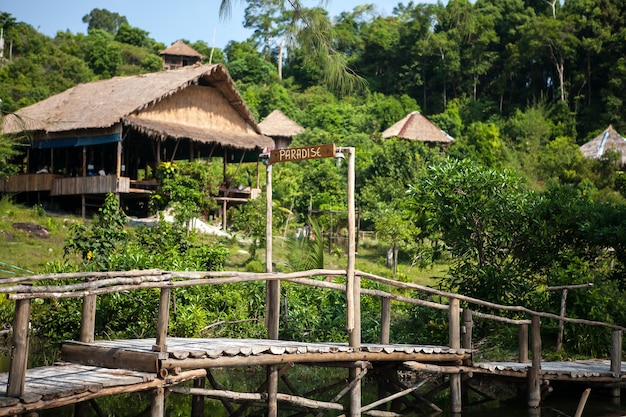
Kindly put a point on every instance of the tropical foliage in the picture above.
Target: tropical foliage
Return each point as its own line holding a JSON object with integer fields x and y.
{"x": 512, "y": 204}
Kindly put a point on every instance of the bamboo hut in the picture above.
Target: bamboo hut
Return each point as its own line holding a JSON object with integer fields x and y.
{"x": 415, "y": 126}
{"x": 280, "y": 128}
{"x": 179, "y": 55}
{"x": 126, "y": 126}
{"x": 609, "y": 140}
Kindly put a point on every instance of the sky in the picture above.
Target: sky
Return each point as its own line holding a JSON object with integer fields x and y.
{"x": 166, "y": 21}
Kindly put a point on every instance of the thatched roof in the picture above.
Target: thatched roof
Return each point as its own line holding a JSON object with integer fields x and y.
{"x": 607, "y": 140}
{"x": 277, "y": 124}
{"x": 180, "y": 48}
{"x": 123, "y": 100}
{"x": 414, "y": 126}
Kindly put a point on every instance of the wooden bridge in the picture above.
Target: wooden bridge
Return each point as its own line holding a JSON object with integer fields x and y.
{"x": 90, "y": 369}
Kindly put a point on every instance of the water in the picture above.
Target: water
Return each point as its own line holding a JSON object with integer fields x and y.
{"x": 306, "y": 378}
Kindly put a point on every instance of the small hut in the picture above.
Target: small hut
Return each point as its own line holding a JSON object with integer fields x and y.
{"x": 178, "y": 55}
{"x": 125, "y": 127}
{"x": 415, "y": 126}
{"x": 607, "y": 140}
{"x": 280, "y": 128}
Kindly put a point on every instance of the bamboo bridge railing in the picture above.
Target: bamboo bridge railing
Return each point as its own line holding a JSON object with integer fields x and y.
{"x": 90, "y": 285}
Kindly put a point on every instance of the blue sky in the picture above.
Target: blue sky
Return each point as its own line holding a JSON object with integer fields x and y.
{"x": 167, "y": 21}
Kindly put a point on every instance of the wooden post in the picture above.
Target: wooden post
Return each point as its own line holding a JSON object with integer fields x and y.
{"x": 616, "y": 358}
{"x": 559, "y": 339}
{"x": 353, "y": 287}
{"x": 454, "y": 325}
{"x": 385, "y": 319}
{"x": 88, "y": 319}
{"x": 157, "y": 408}
{"x": 522, "y": 341}
{"x": 534, "y": 373}
{"x": 466, "y": 329}
{"x": 272, "y": 391}
{"x": 163, "y": 321}
{"x": 19, "y": 349}
{"x": 118, "y": 160}
{"x": 272, "y": 298}
{"x": 197, "y": 401}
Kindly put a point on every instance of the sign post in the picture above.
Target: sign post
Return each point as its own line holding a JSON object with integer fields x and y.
{"x": 353, "y": 285}
{"x": 303, "y": 153}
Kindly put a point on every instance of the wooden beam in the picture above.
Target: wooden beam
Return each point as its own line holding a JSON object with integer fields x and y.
{"x": 110, "y": 358}
{"x": 269, "y": 359}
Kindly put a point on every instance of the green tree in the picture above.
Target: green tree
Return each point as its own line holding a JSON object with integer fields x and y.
{"x": 185, "y": 187}
{"x": 102, "y": 19}
{"x": 481, "y": 216}
{"x": 104, "y": 56}
{"x": 132, "y": 36}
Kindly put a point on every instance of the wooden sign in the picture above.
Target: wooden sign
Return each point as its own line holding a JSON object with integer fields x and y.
{"x": 305, "y": 152}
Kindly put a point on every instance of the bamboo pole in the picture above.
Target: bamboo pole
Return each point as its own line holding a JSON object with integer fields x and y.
{"x": 534, "y": 379}
{"x": 19, "y": 350}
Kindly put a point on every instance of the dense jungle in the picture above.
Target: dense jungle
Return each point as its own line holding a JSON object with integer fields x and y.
{"x": 509, "y": 209}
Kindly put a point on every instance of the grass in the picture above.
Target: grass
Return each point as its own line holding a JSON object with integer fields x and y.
{"x": 22, "y": 253}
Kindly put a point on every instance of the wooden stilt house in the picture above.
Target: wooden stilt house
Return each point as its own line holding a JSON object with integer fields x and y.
{"x": 125, "y": 127}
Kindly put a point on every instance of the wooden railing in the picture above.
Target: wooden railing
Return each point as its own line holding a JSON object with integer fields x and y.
{"x": 90, "y": 185}
{"x": 60, "y": 185}
{"x": 24, "y": 289}
{"x": 28, "y": 182}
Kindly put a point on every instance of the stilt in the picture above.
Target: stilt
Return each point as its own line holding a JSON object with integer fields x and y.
{"x": 616, "y": 358}
{"x": 272, "y": 391}
{"x": 455, "y": 343}
{"x": 158, "y": 403}
{"x": 197, "y": 401}
{"x": 534, "y": 380}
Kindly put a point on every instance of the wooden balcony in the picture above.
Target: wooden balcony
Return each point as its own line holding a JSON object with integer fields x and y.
{"x": 59, "y": 185}
{"x": 90, "y": 185}
{"x": 28, "y": 182}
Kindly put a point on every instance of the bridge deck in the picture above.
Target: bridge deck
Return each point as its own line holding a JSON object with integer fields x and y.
{"x": 185, "y": 353}
{"x": 111, "y": 367}
{"x": 593, "y": 370}
{"x": 122, "y": 366}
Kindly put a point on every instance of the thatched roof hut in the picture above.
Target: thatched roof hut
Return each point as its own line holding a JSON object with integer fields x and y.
{"x": 415, "y": 126}
{"x": 607, "y": 140}
{"x": 199, "y": 103}
{"x": 125, "y": 127}
{"x": 178, "y": 55}
{"x": 280, "y": 127}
